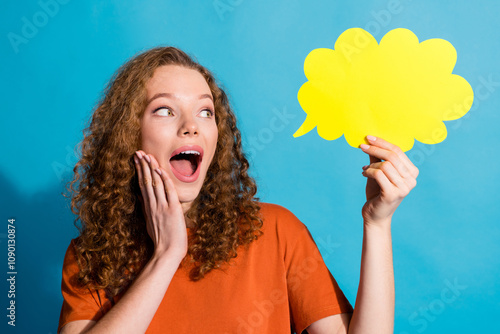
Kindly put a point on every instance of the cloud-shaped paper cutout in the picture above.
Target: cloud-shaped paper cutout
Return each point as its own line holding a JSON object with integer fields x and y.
{"x": 400, "y": 90}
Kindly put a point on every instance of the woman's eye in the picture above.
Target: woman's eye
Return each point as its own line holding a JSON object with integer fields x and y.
{"x": 206, "y": 113}
{"x": 164, "y": 111}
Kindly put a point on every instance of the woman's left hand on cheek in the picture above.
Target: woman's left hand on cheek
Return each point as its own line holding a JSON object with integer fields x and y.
{"x": 388, "y": 181}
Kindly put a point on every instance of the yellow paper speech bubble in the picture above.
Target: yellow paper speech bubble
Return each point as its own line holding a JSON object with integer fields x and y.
{"x": 400, "y": 90}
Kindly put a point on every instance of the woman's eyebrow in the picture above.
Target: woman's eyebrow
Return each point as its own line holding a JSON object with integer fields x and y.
{"x": 206, "y": 96}
{"x": 169, "y": 95}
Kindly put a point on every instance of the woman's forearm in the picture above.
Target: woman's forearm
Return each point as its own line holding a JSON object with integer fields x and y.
{"x": 374, "y": 309}
{"x": 136, "y": 308}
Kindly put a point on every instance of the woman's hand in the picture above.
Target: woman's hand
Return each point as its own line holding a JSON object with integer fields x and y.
{"x": 163, "y": 212}
{"x": 389, "y": 181}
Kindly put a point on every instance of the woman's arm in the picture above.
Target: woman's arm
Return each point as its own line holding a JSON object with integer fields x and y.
{"x": 135, "y": 310}
{"x": 166, "y": 227}
{"x": 374, "y": 308}
{"x": 387, "y": 184}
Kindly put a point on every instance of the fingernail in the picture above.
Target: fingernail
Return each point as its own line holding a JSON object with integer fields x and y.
{"x": 158, "y": 171}
{"x": 147, "y": 158}
{"x": 136, "y": 160}
{"x": 365, "y": 167}
{"x": 371, "y": 138}
{"x": 139, "y": 154}
{"x": 364, "y": 146}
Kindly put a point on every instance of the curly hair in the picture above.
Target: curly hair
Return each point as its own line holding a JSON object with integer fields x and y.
{"x": 113, "y": 244}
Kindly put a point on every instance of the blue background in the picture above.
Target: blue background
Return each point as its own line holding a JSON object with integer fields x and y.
{"x": 445, "y": 233}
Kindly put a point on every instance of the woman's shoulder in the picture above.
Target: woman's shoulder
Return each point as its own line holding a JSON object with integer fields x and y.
{"x": 70, "y": 263}
{"x": 279, "y": 218}
{"x": 274, "y": 211}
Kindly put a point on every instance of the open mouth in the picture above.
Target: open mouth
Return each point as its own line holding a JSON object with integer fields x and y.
{"x": 185, "y": 163}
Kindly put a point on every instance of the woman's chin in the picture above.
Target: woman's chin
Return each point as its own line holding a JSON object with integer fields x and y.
{"x": 187, "y": 197}
{"x": 187, "y": 192}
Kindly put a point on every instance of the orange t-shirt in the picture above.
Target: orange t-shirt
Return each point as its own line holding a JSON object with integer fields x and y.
{"x": 278, "y": 284}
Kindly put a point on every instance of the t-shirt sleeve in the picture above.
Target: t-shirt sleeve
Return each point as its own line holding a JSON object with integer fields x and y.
{"x": 78, "y": 304}
{"x": 313, "y": 292}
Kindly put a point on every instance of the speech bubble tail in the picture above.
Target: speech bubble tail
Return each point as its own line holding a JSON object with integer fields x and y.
{"x": 307, "y": 126}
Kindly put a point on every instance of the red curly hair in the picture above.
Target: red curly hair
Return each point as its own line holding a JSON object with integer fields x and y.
{"x": 113, "y": 244}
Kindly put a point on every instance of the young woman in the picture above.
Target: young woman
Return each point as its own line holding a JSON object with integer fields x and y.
{"x": 172, "y": 238}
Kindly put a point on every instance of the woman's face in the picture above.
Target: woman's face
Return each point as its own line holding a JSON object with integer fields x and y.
{"x": 178, "y": 127}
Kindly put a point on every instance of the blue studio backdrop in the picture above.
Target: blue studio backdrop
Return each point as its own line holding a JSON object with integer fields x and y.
{"x": 57, "y": 56}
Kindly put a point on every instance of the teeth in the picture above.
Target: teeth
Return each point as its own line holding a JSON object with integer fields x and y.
{"x": 190, "y": 152}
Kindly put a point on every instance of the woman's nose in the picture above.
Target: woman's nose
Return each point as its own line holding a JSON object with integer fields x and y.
{"x": 188, "y": 127}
